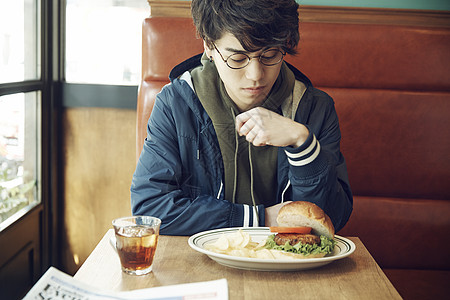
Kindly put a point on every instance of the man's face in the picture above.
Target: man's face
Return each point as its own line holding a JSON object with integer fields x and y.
{"x": 247, "y": 87}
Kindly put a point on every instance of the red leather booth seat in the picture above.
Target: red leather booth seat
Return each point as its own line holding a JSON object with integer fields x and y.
{"x": 391, "y": 86}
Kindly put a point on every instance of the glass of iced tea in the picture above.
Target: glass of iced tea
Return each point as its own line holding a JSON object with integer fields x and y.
{"x": 136, "y": 241}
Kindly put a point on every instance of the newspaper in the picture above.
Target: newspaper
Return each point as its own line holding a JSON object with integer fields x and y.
{"x": 56, "y": 285}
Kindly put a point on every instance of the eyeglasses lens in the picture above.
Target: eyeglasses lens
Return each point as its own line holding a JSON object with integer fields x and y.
{"x": 269, "y": 58}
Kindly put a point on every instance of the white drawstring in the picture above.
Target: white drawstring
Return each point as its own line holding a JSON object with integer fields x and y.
{"x": 284, "y": 191}
{"x": 220, "y": 190}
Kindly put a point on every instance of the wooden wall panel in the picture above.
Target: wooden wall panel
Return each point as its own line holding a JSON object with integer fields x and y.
{"x": 335, "y": 14}
{"x": 21, "y": 255}
{"x": 99, "y": 161}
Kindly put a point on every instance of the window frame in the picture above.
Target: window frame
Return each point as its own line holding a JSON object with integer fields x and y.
{"x": 51, "y": 47}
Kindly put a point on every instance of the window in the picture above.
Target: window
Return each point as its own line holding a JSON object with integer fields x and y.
{"x": 20, "y": 106}
{"x": 19, "y": 36}
{"x": 103, "y": 41}
{"x": 19, "y": 155}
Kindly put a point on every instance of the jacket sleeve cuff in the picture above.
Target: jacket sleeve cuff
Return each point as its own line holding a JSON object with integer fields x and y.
{"x": 307, "y": 159}
{"x": 248, "y": 216}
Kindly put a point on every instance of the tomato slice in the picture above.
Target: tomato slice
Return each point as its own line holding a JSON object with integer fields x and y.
{"x": 303, "y": 229}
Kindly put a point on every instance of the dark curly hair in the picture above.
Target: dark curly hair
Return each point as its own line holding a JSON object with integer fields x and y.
{"x": 255, "y": 23}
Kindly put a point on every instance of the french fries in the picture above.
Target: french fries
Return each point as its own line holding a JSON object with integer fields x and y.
{"x": 239, "y": 243}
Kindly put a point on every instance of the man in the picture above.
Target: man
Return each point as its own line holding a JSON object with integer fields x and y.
{"x": 239, "y": 133}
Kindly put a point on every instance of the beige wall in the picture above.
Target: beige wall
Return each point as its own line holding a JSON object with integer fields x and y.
{"x": 99, "y": 161}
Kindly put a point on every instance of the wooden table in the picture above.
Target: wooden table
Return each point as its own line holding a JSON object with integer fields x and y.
{"x": 355, "y": 277}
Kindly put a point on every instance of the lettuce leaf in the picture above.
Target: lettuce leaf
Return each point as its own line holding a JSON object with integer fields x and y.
{"x": 326, "y": 246}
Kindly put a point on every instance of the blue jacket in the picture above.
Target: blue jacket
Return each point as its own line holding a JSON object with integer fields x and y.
{"x": 179, "y": 174}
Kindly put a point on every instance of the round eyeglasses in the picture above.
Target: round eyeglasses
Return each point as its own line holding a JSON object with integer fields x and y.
{"x": 269, "y": 57}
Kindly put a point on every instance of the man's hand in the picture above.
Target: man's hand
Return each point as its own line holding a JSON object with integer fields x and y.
{"x": 263, "y": 127}
{"x": 272, "y": 213}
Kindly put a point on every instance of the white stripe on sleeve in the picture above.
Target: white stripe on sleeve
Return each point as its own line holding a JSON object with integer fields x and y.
{"x": 246, "y": 216}
{"x": 306, "y": 160}
{"x": 304, "y": 152}
{"x": 255, "y": 216}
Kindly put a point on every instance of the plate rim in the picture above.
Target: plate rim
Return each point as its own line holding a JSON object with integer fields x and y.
{"x": 191, "y": 241}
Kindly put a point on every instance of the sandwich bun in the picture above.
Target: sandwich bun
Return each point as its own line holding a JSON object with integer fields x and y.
{"x": 303, "y": 213}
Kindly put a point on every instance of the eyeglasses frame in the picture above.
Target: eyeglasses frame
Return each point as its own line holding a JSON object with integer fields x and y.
{"x": 249, "y": 58}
